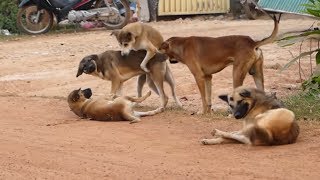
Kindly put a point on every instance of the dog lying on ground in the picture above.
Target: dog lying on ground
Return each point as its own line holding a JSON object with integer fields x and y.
{"x": 205, "y": 56}
{"x": 111, "y": 66}
{"x": 103, "y": 110}
{"x": 266, "y": 121}
{"x": 138, "y": 36}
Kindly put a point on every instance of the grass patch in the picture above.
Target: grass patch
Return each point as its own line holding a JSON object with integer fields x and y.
{"x": 305, "y": 105}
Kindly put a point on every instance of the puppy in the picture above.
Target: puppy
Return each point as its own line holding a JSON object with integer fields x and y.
{"x": 111, "y": 66}
{"x": 137, "y": 36}
{"x": 266, "y": 121}
{"x": 103, "y": 110}
{"x": 205, "y": 56}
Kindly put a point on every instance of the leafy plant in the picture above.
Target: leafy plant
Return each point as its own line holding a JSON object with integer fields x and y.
{"x": 8, "y": 15}
{"x": 311, "y": 85}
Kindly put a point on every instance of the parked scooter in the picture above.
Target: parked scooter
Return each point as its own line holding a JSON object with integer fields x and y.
{"x": 37, "y": 16}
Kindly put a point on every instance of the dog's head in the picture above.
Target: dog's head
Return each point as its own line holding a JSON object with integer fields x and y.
{"x": 88, "y": 65}
{"x": 167, "y": 48}
{"x": 125, "y": 39}
{"x": 79, "y": 95}
{"x": 241, "y": 101}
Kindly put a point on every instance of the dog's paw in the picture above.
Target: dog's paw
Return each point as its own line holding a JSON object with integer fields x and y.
{"x": 135, "y": 121}
{"x": 145, "y": 69}
{"x": 213, "y": 132}
{"x": 205, "y": 142}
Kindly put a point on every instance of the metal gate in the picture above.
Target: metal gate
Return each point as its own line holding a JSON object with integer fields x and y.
{"x": 185, "y": 7}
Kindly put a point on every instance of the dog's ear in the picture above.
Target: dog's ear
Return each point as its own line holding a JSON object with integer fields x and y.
{"x": 76, "y": 95}
{"x": 94, "y": 57}
{"x": 245, "y": 93}
{"x": 224, "y": 97}
{"x": 164, "y": 46}
{"x": 115, "y": 33}
{"x": 80, "y": 68}
{"x": 128, "y": 36}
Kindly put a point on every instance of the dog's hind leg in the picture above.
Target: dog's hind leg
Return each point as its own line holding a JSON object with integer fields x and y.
{"x": 130, "y": 117}
{"x": 169, "y": 79}
{"x": 158, "y": 81}
{"x": 148, "y": 113}
{"x": 151, "y": 85}
{"x": 140, "y": 82}
{"x": 218, "y": 140}
{"x": 257, "y": 72}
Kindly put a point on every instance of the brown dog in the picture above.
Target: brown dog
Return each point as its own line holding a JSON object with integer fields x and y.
{"x": 103, "y": 110}
{"x": 205, "y": 56}
{"x": 139, "y": 36}
{"x": 266, "y": 121}
{"x": 111, "y": 66}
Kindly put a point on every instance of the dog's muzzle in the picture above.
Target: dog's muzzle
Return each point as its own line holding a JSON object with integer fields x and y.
{"x": 87, "y": 93}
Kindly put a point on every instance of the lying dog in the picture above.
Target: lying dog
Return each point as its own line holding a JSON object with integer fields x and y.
{"x": 111, "y": 66}
{"x": 138, "y": 36}
{"x": 103, "y": 110}
{"x": 205, "y": 56}
{"x": 266, "y": 121}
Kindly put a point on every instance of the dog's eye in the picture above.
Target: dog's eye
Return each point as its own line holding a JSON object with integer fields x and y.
{"x": 239, "y": 102}
{"x": 231, "y": 98}
{"x": 125, "y": 45}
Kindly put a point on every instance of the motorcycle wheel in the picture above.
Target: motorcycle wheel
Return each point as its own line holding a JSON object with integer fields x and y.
{"x": 125, "y": 16}
{"x": 250, "y": 11}
{"x": 26, "y": 18}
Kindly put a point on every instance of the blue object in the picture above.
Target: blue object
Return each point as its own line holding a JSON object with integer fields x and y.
{"x": 284, "y": 6}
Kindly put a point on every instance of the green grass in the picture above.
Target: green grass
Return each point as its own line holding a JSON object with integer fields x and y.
{"x": 306, "y": 106}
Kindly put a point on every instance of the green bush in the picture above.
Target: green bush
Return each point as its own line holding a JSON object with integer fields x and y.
{"x": 8, "y": 15}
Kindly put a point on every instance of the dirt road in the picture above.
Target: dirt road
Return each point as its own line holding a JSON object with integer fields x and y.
{"x": 41, "y": 139}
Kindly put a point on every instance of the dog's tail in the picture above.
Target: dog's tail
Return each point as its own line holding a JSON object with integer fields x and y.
{"x": 139, "y": 99}
{"x": 273, "y": 35}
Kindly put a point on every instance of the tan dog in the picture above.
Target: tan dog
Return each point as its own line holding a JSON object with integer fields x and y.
{"x": 138, "y": 36}
{"x": 103, "y": 110}
{"x": 205, "y": 56}
{"x": 266, "y": 122}
{"x": 111, "y": 66}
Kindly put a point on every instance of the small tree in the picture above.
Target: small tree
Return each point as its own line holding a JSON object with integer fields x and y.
{"x": 311, "y": 85}
{"x": 8, "y": 15}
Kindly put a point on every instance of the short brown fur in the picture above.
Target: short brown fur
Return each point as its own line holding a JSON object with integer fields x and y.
{"x": 205, "y": 56}
{"x": 103, "y": 110}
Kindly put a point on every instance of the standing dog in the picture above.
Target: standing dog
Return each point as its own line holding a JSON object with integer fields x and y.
{"x": 266, "y": 122}
{"x": 111, "y": 66}
{"x": 137, "y": 36}
{"x": 103, "y": 110}
{"x": 205, "y": 56}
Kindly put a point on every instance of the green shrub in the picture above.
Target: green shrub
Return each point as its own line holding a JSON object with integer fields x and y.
{"x": 8, "y": 15}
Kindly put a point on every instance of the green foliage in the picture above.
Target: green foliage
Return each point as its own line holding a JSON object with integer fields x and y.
{"x": 305, "y": 105}
{"x": 8, "y": 15}
{"x": 312, "y": 85}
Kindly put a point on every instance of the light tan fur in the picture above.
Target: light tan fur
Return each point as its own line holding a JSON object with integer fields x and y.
{"x": 266, "y": 122}
{"x": 139, "y": 36}
{"x": 107, "y": 110}
{"x": 205, "y": 56}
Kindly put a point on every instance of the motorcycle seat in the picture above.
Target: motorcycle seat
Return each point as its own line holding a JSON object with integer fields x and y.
{"x": 63, "y": 3}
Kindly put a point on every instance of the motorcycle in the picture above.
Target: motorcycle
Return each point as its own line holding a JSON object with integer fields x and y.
{"x": 37, "y": 16}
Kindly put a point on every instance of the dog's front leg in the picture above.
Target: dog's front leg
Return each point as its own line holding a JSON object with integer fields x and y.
{"x": 116, "y": 86}
{"x": 208, "y": 90}
{"x": 202, "y": 88}
{"x": 150, "y": 53}
{"x": 236, "y": 136}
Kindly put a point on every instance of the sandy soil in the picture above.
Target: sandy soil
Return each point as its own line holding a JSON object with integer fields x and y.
{"x": 41, "y": 139}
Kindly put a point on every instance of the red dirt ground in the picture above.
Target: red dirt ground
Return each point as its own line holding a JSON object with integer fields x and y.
{"x": 41, "y": 139}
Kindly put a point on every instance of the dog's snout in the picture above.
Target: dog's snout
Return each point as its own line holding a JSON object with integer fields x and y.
{"x": 237, "y": 115}
{"x": 87, "y": 93}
